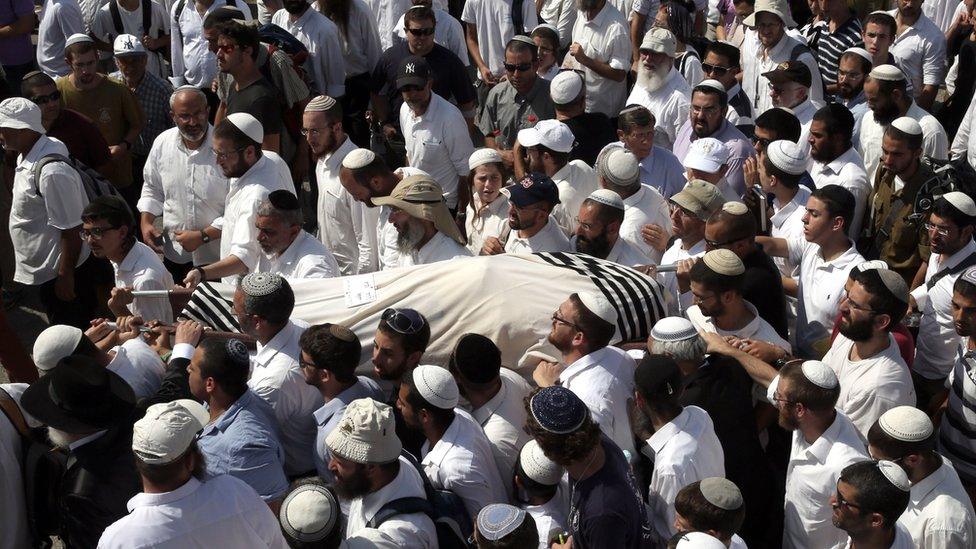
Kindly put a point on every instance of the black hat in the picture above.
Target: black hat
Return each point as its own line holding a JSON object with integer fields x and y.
{"x": 284, "y": 200}
{"x": 658, "y": 375}
{"x": 476, "y": 358}
{"x": 79, "y": 396}
{"x": 414, "y": 71}
{"x": 790, "y": 71}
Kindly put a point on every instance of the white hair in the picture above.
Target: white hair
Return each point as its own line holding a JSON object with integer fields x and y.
{"x": 686, "y": 350}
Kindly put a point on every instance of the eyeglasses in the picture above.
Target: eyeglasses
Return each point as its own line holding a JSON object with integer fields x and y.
{"x": 841, "y": 502}
{"x": 714, "y": 244}
{"x": 941, "y": 231}
{"x": 715, "y": 69}
{"x": 761, "y": 141}
{"x": 224, "y": 155}
{"x": 556, "y": 319}
{"x": 189, "y": 117}
{"x": 404, "y": 321}
{"x": 854, "y": 305}
{"x": 226, "y": 48}
{"x": 95, "y": 232}
{"x": 779, "y": 399}
{"x": 421, "y": 32}
{"x": 44, "y": 99}
{"x": 510, "y": 67}
{"x": 314, "y": 132}
{"x": 700, "y": 298}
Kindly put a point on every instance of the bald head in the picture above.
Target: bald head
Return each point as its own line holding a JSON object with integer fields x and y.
{"x": 188, "y": 107}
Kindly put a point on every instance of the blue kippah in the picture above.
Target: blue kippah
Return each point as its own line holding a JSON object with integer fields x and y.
{"x": 497, "y": 520}
{"x": 558, "y": 410}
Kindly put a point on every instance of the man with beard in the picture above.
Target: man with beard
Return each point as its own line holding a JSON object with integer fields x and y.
{"x": 184, "y": 184}
{"x": 835, "y": 160}
{"x": 602, "y": 30}
{"x": 194, "y": 63}
{"x": 709, "y": 107}
{"x": 852, "y": 70}
{"x": 956, "y": 442}
{"x": 533, "y": 228}
{"x": 722, "y": 64}
{"x": 659, "y": 168}
{"x": 660, "y": 87}
{"x": 600, "y": 375}
{"x": 325, "y": 64}
{"x": 598, "y": 232}
{"x": 288, "y": 250}
{"x": 920, "y": 47}
{"x": 426, "y": 231}
{"x": 789, "y": 88}
{"x": 253, "y": 174}
{"x": 329, "y": 356}
{"x": 870, "y": 497}
{"x": 370, "y": 471}
{"x": 865, "y": 356}
{"x": 888, "y": 99}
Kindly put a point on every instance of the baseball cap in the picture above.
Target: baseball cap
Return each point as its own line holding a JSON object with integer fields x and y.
{"x": 167, "y": 430}
{"x": 790, "y": 71}
{"x": 534, "y": 187}
{"x": 707, "y": 155}
{"x": 413, "y": 71}
{"x": 551, "y": 134}
{"x": 700, "y": 198}
{"x": 126, "y": 45}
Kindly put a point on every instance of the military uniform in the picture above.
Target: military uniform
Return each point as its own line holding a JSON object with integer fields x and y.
{"x": 899, "y": 240}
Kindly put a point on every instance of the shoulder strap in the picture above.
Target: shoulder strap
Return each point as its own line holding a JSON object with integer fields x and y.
{"x": 44, "y": 161}
{"x": 401, "y": 506}
{"x": 10, "y": 409}
{"x": 180, "y": 6}
{"x": 962, "y": 266}
{"x": 797, "y": 51}
{"x": 518, "y": 18}
{"x": 113, "y": 8}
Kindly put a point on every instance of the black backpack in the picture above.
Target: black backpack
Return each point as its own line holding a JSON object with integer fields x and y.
{"x": 113, "y": 8}
{"x": 94, "y": 183}
{"x": 948, "y": 176}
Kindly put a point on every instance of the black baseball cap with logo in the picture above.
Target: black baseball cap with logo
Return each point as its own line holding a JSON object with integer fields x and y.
{"x": 414, "y": 71}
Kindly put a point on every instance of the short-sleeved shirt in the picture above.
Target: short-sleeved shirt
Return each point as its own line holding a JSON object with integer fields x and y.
{"x": 259, "y": 98}
{"x": 507, "y": 111}
{"x": 82, "y": 138}
{"x": 15, "y": 50}
{"x": 59, "y": 20}
{"x": 105, "y": 30}
{"x": 921, "y": 53}
{"x": 605, "y": 38}
{"x": 829, "y": 46}
{"x": 495, "y": 25}
{"x": 438, "y": 143}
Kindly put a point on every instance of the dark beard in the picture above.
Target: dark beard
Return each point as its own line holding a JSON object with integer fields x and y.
{"x": 856, "y": 331}
{"x": 887, "y": 116}
{"x": 352, "y": 487}
{"x": 598, "y": 247}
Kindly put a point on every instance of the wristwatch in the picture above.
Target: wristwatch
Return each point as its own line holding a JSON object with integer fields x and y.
{"x": 205, "y": 237}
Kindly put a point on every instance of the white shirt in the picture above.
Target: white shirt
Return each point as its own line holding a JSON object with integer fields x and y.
{"x": 139, "y": 365}
{"x": 439, "y": 248}
{"x": 37, "y": 219}
{"x": 678, "y": 302}
{"x": 921, "y": 53}
{"x": 59, "y": 19}
{"x": 902, "y": 539}
{"x": 936, "y": 342}
{"x": 239, "y": 235}
{"x": 964, "y": 144}
{"x": 104, "y": 28}
{"x": 325, "y": 64}
{"x": 625, "y": 253}
{"x": 576, "y": 180}
{"x": 438, "y": 143}
{"x": 787, "y": 222}
{"x": 935, "y": 143}
{"x": 811, "y": 478}
{"x": 188, "y": 189}
{"x": 491, "y": 221}
{"x": 141, "y": 269}
{"x": 502, "y": 418}
{"x": 462, "y": 462}
{"x": 13, "y": 520}
{"x": 550, "y": 519}
{"x": 685, "y": 450}
{"x": 670, "y": 105}
{"x": 941, "y": 12}
{"x": 385, "y": 13}
{"x": 277, "y": 378}
{"x": 940, "y": 513}
{"x": 869, "y": 387}
{"x": 757, "y": 328}
{"x": 606, "y": 39}
{"x": 447, "y": 32}
{"x": 305, "y": 257}
{"x": 361, "y": 43}
{"x": 550, "y": 238}
{"x": 222, "y": 512}
{"x": 562, "y": 15}
{"x": 493, "y": 22}
{"x": 646, "y": 206}
{"x": 821, "y": 289}
{"x": 804, "y": 113}
{"x": 409, "y": 530}
{"x": 756, "y": 60}
{"x": 847, "y": 170}
{"x": 346, "y": 226}
{"x": 604, "y": 380}
{"x": 193, "y": 62}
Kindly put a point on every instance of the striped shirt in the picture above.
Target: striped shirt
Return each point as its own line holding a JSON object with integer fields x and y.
{"x": 957, "y": 433}
{"x": 829, "y": 46}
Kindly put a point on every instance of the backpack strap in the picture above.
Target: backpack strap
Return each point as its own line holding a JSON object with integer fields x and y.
{"x": 13, "y": 412}
{"x": 180, "y": 6}
{"x": 962, "y": 266}
{"x": 518, "y": 18}
{"x": 400, "y": 506}
{"x": 44, "y": 161}
{"x": 113, "y": 8}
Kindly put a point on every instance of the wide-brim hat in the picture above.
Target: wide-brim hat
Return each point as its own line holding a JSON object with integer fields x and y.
{"x": 421, "y": 197}
{"x": 779, "y": 8}
{"x": 79, "y": 396}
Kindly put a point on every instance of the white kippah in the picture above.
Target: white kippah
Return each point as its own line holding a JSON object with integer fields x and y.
{"x": 873, "y": 264}
{"x": 714, "y": 84}
{"x": 607, "y": 198}
{"x": 724, "y": 262}
{"x": 598, "y": 305}
{"x": 77, "y": 38}
{"x": 907, "y": 125}
{"x": 890, "y": 73}
{"x": 537, "y": 466}
{"x": 906, "y": 423}
{"x": 483, "y": 156}
{"x": 621, "y": 167}
{"x": 895, "y": 475}
{"x": 261, "y": 284}
{"x": 309, "y": 513}
{"x": 860, "y": 52}
{"x": 673, "y": 328}
{"x": 320, "y": 103}
{"x": 961, "y": 202}
{"x": 698, "y": 540}
{"x": 735, "y": 208}
{"x": 819, "y": 374}
{"x": 436, "y": 385}
{"x": 358, "y": 159}
{"x": 251, "y": 127}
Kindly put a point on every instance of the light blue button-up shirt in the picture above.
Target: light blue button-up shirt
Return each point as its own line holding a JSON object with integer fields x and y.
{"x": 328, "y": 416}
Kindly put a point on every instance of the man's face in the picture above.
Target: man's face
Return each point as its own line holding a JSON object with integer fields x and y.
{"x": 564, "y": 327}
{"x": 231, "y": 161}
{"x": 787, "y": 410}
{"x": 410, "y": 415}
{"x": 946, "y": 237}
{"x": 846, "y": 512}
{"x": 856, "y": 316}
{"x": 706, "y": 114}
{"x": 410, "y": 230}
{"x": 883, "y": 106}
{"x": 133, "y": 67}
{"x": 524, "y": 218}
{"x": 719, "y": 68}
{"x": 765, "y": 181}
{"x": 295, "y": 7}
{"x": 48, "y": 98}
{"x": 198, "y": 386}
{"x": 709, "y": 302}
{"x": 763, "y": 137}
{"x": 351, "y": 480}
{"x": 104, "y": 239}
{"x": 787, "y": 94}
{"x": 211, "y": 35}
{"x": 910, "y": 8}
{"x": 274, "y": 235}
{"x": 245, "y": 320}
{"x": 322, "y": 137}
{"x": 420, "y": 36}
{"x": 896, "y": 156}
{"x": 877, "y": 39}
{"x": 416, "y": 97}
{"x": 389, "y": 357}
{"x": 717, "y": 237}
{"x": 591, "y": 234}
{"x": 770, "y": 28}
{"x": 309, "y": 371}
{"x": 850, "y": 76}
{"x": 534, "y": 156}
{"x": 657, "y": 62}
{"x": 823, "y": 146}
{"x": 84, "y": 67}
{"x": 230, "y": 55}
{"x": 817, "y": 222}
{"x": 684, "y": 224}
{"x": 190, "y": 116}
{"x": 520, "y": 68}
{"x": 964, "y": 314}
{"x": 639, "y": 140}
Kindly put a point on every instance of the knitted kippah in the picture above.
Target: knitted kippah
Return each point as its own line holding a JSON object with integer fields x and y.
{"x": 320, "y": 103}
{"x": 261, "y": 284}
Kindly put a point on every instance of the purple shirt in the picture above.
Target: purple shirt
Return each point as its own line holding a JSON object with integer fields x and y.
{"x": 15, "y": 50}
{"x": 738, "y": 144}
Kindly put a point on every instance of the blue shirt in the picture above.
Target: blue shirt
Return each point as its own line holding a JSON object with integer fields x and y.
{"x": 243, "y": 442}
{"x": 328, "y": 416}
{"x": 662, "y": 170}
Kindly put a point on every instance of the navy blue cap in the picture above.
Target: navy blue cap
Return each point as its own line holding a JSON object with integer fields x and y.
{"x": 558, "y": 410}
{"x": 534, "y": 187}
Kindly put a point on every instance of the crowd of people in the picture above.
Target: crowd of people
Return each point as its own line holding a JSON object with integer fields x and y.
{"x": 796, "y": 178}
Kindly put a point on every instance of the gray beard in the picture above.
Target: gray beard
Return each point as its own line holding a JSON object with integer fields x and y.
{"x": 651, "y": 81}
{"x": 408, "y": 242}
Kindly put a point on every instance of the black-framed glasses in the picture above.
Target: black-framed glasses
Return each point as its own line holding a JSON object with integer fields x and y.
{"x": 556, "y": 319}
{"x": 422, "y": 32}
{"x": 841, "y": 502}
{"x": 44, "y": 99}
{"x": 779, "y": 399}
{"x": 717, "y": 70}
{"x": 513, "y": 67}
{"x": 404, "y": 321}
{"x": 716, "y": 244}
{"x": 857, "y": 306}
{"x": 95, "y": 232}
{"x": 757, "y": 141}
{"x": 224, "y": 155}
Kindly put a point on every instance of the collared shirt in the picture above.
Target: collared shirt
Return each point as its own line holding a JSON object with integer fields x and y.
{"x": 921, "y": 53}
{"x": 386, "y": 13}
{"x": 964, "y": 144}
{"x": 345, "y": 225}
{"x": 238, "y": 233}
{"x": 59, "y": 19}
{"x": 646, "y": 206}
{"x": 277, "y": 378}
{"x": 740, "y": 110}
{"x": 502, "y": 418}
{"x": 871, "y": 386}
{"x": 670, "y": 105}
{"x": 757, "y": 328}
{"x": 153, "y": 94}
{"x": 222, "y": 512}
{"x": 448, "y": 33}
{"x": 820, "y": 292}
{"x": 462, "y": 462}
{"x": 438, "y": 143}
{"x": 604, "y": 380}
{"x": 804, "y": 113}
{"x": 409, "y": 530}
{"x": 943, "y": 12}
{"x": 550, "y": 238}
{"x": 141, "y": 269}
{"x": 935, "y": 143}
{"x": 811, "y": 478}
{"x": 757, "y": 59}
{"x": 576, "y": 180}
{"x": 188, "y": 189}
{"x": 507, "y": 111}
{"x": 662, "y": 170}
{"x": 787, "y": 222}
{"x": 243, "y": 442}
{"x": 103, "y": 28}
{"x": 957, "y": 438}
{"x": 139, "y": 365}
{"x": 605, "y": 38}
{"x": 740, "y": 148}
{"x": 327, "y": 418}
{"x": 685, "y": 450}
{"x": 550, "y": 519}
{"x": 305, "y": 257}
{"x": 940, "y": 513}
{"x": 624, "y": 253}
{"x": 495, "y": 25}
{"x": 847, "y": 170}
{"x": 899, "y": 237}
{"x": 937, "y": 338}
{"x": 361, "y": 42}
{"x": 483, "y": 221}
{"x": 678, "y": 302}
{"x": 193, "y": 62}
{"x": 325, "y": 65}
{"x": 439, "y": 248}
{"x": 41, "y": 210}
{"x": 830, "y": 46}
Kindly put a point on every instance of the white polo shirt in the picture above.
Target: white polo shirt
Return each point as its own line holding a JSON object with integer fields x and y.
{"x": 787, "y": 222}
{"x": 141, "y": 269}
{"x": 646, "y": 206}
{"x": 964, "y": 144}
{"x": 576, "y": 180}
{"x": 935, "y": 143}
{"x": 492, "y": 19}
{"x": 448, "y": 32}
{"x": 757, "y": 60}
{"x": 871, "y": 386}
{"x": 549, "y": 239}
{"x": 482, "y": 222}
{"x": 326, "y": 64}
{"x": 678, "y": 302}
{"x": 821, "y": 290}
{"x": 277, "y": 378}
{"x": 408, "y": 530}
{"x": 847, "y": 170}
{"x": 346, "y": 227}
{"x": 935, "y": 345}
{"x": 940, "y": 513}
{"x": 439, "y": 248}
{"x": 305, "y": 257}
{"x": 59, "y": 19}
{"x": 811, "y": 478}
{"x": 462, "y": 462}
{"x": 607, "y": 39}
{"x": 757, "y": 328}
{"x": 684, "y": 450}
{"x": 921, "y": 53}
{"x": 438, "y": 143}
{"x": 670, "y": 105}
{"x": 37, "y": 218}
{"x": 503, "y": 420}
{"x": 188, "y": 189}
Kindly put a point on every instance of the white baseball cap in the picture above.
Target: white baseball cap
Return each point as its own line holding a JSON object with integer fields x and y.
{"x": 167, "y": 430}
{"x": 127, "y": 45}
{"x": 551, "y": 134}
{"x": 707, "y": 155}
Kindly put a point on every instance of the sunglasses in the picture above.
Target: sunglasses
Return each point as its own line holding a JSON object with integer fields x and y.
{"x": 761, "y": 141}
{"x": 511, "y": 67}
{"x": 421, "y": 32}
{"x": 226, "y": 48}
{"x": 715, "y": 69}
{"x": 44, "y": 99}
{"x": 95, "y": 232}
{"x": 404, "y": 321}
